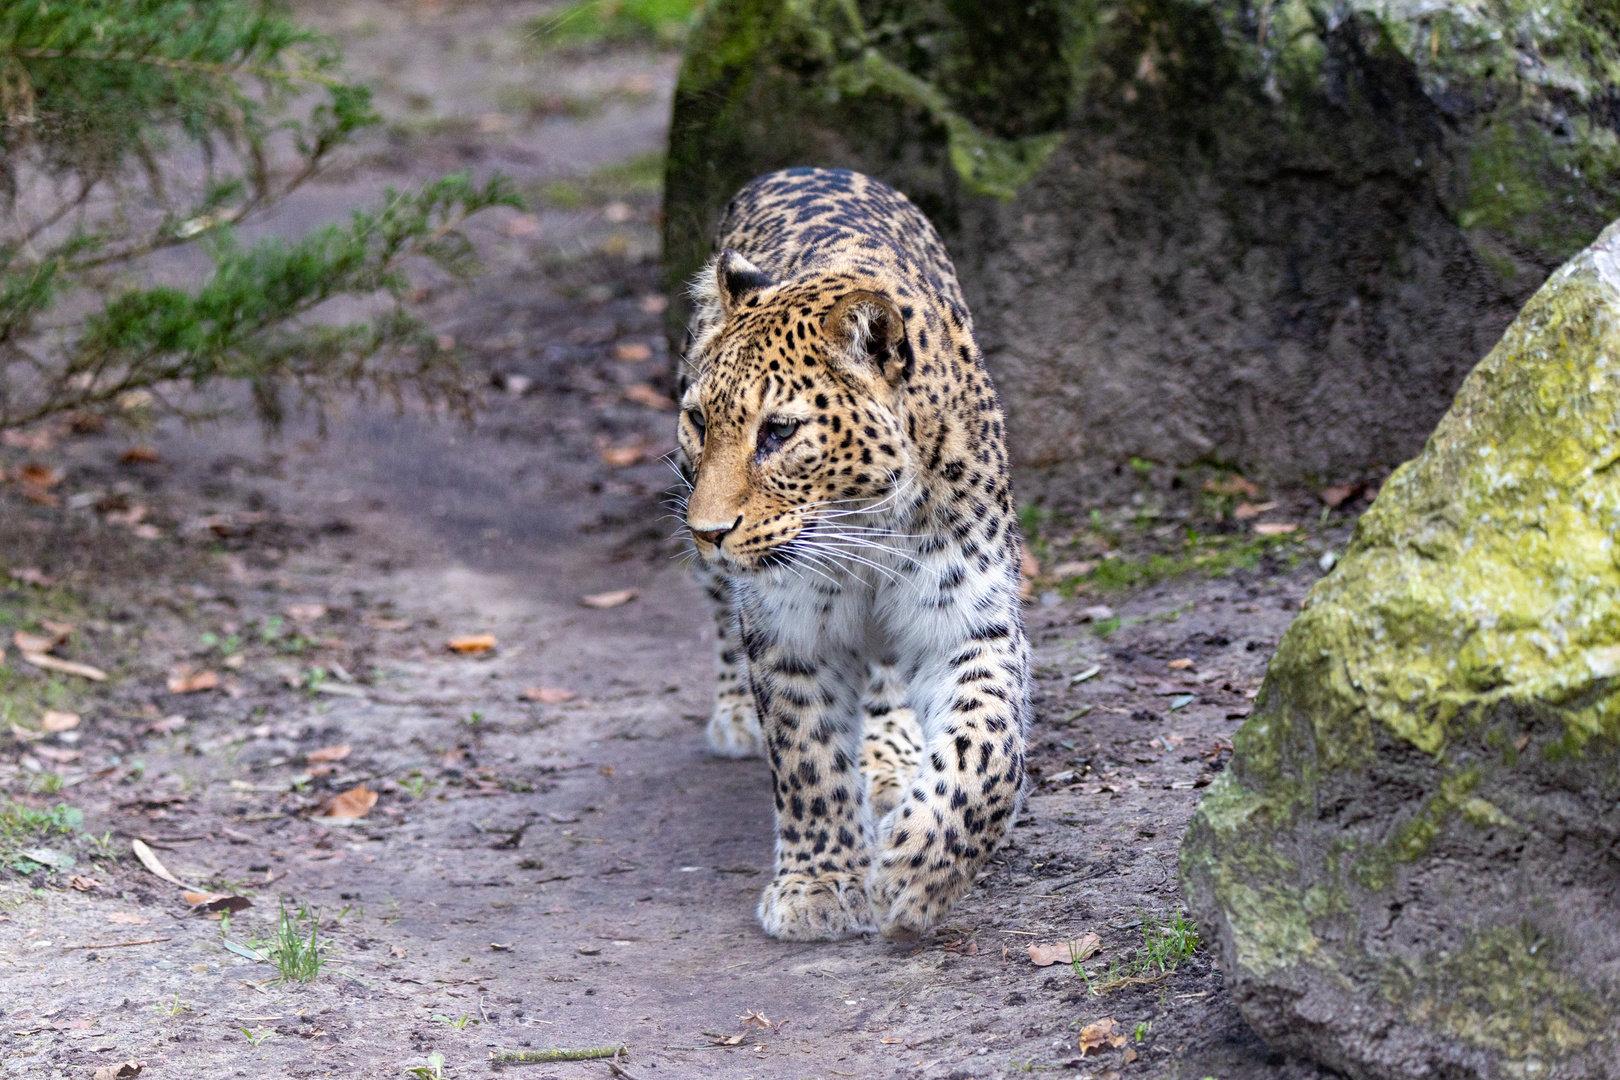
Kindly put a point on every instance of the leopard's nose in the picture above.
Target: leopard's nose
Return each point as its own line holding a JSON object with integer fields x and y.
{"x": 713, "y": 536}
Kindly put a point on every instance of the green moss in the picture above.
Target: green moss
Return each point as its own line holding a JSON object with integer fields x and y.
{"x": 1481, "y": 588}
{"x": 638, "y": 176}
{"x": 590, "y": 22}
{"x": 1500, "y": 990}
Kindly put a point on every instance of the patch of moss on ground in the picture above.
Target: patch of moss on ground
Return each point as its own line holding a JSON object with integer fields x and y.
{"x": 614, "y": 22}
{"x": 1211, "y": 556}
{"x": 636, "y": 177}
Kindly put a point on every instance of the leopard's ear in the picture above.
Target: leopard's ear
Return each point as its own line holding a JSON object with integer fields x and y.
{"x": 735, "y": 280}
{"x": 868, "y": 327}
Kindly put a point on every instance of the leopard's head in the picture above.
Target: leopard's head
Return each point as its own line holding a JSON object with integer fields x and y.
{"x": 794, "y": 420}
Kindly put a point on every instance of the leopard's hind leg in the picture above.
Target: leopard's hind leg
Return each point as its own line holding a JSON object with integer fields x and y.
{"x": 733, "y": 729}
{"x": 891, "y": 740}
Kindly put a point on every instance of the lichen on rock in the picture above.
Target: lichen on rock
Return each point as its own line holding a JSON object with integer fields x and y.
{"x": 1409, "y": 866}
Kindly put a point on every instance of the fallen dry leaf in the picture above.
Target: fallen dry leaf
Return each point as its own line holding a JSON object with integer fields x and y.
{"x": 83, "y": 883}
{"x": 165, "y": 726}
{"x": 32, "y": 575}
{"x": 620, "y": 456}
{"x": 306, "y": 613}
{"x": 61, "y": 629}
{"x": 54, "y": 721}
{"x": 205, "y": 903}
{"x": 608, "y": 599}
{"x": 1064, "y": 952}
{"x": 755, "y": 1019}
{"x": 1340, "y": 494}
{"x": 501, "y": 946}
{"x": 1101, "y": 1035}
{"x": 548, "y": 695}
{"x": 35, "y": 643}
{"x": 152, "y": 863}
{"x": 354, "y": 803}
{"x": 140, "y": 455}
{"x": 1130, "y": 1054}
{"x": 39, "y": 440}
{"x": 66, "y": 667}
{"x": 125, "y": 918}
{"x": 118, "y": 1072}
{"x": 25, "y": 735}
{"x": 1233, "y": 485}
{"x": 328, "y": 753}
{"x": 182, "y": 682}
{"x": 1073, "y": 569}
{"x": 1183, "y": 664}
{"x": 632, "y": 351}
{"x": 39, "y": 476}
{"x": 1275, "y": 528}
{"x": 61, "y": 757}
{"x": 1245, "y": 511}
{"x": 1096, "y": 613}
{"x": 646, "y": 394}
{"x": 377, "y": 622}
{"x": 471, "y": 643}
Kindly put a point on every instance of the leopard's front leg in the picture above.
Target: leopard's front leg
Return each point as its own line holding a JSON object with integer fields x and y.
{"x": 807, "y": 702}
{"x": 973, "y": 710}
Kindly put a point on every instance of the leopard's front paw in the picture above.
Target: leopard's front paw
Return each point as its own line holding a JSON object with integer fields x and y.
{"x": 733, "y": 730}
{"x": 797, "y": 907}
{"x": 910, "y": 894}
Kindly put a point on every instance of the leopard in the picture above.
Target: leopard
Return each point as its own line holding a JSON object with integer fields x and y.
{"x": 849, "y": 502}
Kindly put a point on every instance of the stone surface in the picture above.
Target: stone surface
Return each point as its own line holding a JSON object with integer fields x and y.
{"x": 1411, "y": 866}
{"x": 1191, "y": 231}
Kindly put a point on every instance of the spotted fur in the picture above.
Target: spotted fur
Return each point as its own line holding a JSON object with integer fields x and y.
{"x": 852, "y": 510}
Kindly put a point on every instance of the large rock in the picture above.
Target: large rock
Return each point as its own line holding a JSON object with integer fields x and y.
{"x": 1273, "y": 234}
{"x": 1411, "y": 867}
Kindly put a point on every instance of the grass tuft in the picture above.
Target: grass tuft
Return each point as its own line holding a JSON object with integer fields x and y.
{"x": 297, "y": 957}
{"x": 1165, "y": 946}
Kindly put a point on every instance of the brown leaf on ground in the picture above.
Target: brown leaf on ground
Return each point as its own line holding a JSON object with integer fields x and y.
{"x": 61, "y": 757}
{"x": 1275, "y": 528}
{"x": 66, "y": 667}
{"x": 754, "y": 1019}
{"x": 1102, "y": 1035}
{"x": 1064, "y": 952}
{"x": 377, "y": 622}
{"x": 118, "y": 1072}
{"x": 632, "y": 351}
{"x": 125, "y": 918}
{"x": 548, "y": 695}
{"x": 306, "y": 613}
{"x": 60, "y": 629}
{"x": 32, "y": 575}
{"x": 82, "y": 883}
{"x": 1183, "y": 664}
{"x": 608, "y": 599}
{"x": 35, "y": 475}
{"x": 166, "y": 726}
{"x": 1246, "y": 511}
{"x": 328, "y": 753}
{"x": 54, "y": 721}
{"x": 204, "y": 903}
{"x": 152, "y": 863}
{"x": 1340, "y": 494}
{"x": 140, "y": 455}
{"x": 722, "y": 1040}
{"x": 130, "y": 516}
{"x": 646, "y": 394}
{"x": 354, "y": 803}
{"x": 1073, "y": 569}
{"x": 25, "y": 735}
{"x": 620, "y": 456}
{"x": 36, "y": 643}
{"x": 40, "y": 440}
{"x": 184, "y": 682}
{"x": 1232, "y": 485}
{"x": 471, "y": 643}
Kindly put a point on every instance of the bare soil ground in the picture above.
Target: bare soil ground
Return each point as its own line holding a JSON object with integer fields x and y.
{"x": 544, "y": 874}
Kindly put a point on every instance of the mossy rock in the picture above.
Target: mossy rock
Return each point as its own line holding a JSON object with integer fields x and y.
{"x": 1271, "y": 235}
{"x": 1411, "y": 866}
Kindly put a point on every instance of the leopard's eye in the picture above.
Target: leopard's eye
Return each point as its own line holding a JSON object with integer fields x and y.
{"x": 697, "y": 420}
{"x": 781, "y": 430}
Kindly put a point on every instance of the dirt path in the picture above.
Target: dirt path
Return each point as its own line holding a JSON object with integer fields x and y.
{"x": 536, "y": 874}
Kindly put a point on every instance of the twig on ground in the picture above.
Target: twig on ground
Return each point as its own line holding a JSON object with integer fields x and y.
{"x": 541, "y": 1057}
{"x": 117, "y": 944}
{"x": 616, "y": 1070}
